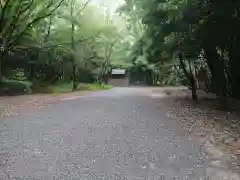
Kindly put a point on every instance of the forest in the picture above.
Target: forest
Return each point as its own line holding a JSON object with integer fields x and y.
{"x": 57, "y": 41}
{"x": 161, "y": 42}
{"x": 191, "y": 42}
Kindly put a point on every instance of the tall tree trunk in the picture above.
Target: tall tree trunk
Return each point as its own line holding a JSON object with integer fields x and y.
{"x": 74, "y": 76}
{"x": 233, "y": 71}
{"x": 2, "y": 54}
{"x": 103, "y": 69}
{"x": 75, "y": 82}
{"x": 1, "y": 78}
{"x": 196, "y": 75}
{"x": 217, "y": 68}
{"x": 193, "y": 81}
{"x": 194, "y": 88}
{"x": 190, "y": 76}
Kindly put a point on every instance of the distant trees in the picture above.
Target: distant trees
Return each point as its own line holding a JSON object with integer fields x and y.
{"x": 56, "y": 40}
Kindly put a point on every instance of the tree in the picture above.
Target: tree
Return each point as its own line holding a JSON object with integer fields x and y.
{"x": 17, "y": 18}
{"x": 61, "y": 40}
{"x": 201, "y": 30}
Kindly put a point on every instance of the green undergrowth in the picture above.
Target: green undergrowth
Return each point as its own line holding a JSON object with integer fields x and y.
{"x": 16, "y": 87}
{"x": 67, "y": 87}
{"x": 95, "y": 87}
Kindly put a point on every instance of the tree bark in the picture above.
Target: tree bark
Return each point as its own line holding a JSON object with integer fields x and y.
{"x": 194, "y": 88}
{"x": 217, "y": 68}
{"x": 74, "y": 79}
{"x": 1, "y": 79}
{"x": 2, "y": 54}
{"x": 190, "y": 76}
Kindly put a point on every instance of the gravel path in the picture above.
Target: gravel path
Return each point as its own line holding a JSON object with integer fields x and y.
{"x": 120, "y": 134}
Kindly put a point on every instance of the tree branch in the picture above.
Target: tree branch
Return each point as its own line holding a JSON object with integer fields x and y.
{"x": 3, "y": 12}
{"x": 83, "y": 8}
{"x": 49, "y": 29}
{"x": 16, "y": 18}
{"x": 35, "y": 21}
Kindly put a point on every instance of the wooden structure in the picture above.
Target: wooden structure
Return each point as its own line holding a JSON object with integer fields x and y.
{"x": 118, "y": 77}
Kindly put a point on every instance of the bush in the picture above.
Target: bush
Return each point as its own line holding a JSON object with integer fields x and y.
{"x": 14, "y": 87}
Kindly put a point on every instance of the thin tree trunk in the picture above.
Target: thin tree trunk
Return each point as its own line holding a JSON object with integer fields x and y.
{"x": 193, "y": 82}
{"x": 103, "y": 71}
{"x": 190, "y": 76}
{"x": 183, "y": 66}
{"x": 196, "y": 76}
{"x": 194, "y": 88}
{"x": 1, "y": 79}
{"x": 74, "y": 87}
{"x": 2, "y": 54}
{"x": 75, "y": 83}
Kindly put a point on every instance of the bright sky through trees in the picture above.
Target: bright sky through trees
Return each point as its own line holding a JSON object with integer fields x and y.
{"x": 108, "y": 5}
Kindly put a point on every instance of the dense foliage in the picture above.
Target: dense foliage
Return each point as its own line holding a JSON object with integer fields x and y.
{"x": 196, "y": 38}
{"x": 57, "y": 40}
{"x": 166, "y": 41}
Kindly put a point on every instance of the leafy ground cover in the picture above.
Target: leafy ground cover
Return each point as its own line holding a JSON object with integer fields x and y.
{"x": 203, "y": 118}
{"x": 20, "y": 96}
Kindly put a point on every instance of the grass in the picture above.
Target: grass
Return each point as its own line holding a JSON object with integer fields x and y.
{"x": 61, "y": 88}
{"x": 66, "y": 88}
{"x": 14, "y": 87}
{"x": 94, "y": 87}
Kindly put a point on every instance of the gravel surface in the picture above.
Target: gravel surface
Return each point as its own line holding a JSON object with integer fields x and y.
{"x": 119, "y": 134}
